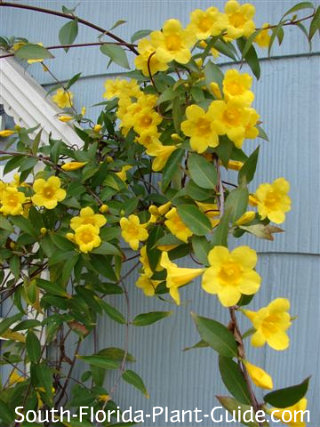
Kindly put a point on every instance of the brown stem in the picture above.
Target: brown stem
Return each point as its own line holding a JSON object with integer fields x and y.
{"x": 242, "y": 355}
{"x": 292, "y": 22}
{"x": 71, "y": 17}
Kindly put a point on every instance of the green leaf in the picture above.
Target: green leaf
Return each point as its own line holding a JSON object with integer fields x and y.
{"x": 226, "y": 49}
{"x": 113, "y": 313}
{"x": 33, "y": 51}
{"x": 200, "y": 246}
{"x": 100, "y": 361}
{"x": 199, "y": 344}
{"x": 298, "y": 6}
{"x": 220, "y": 234}
{"x": 33, "y": 347}
{"x": 73, "y": 80}
{"x": 194, "y": 219}
{"x": 145, "y": 319}
{"x": 202, "y": 172}
{"x": 116, "y": 53}
{"x": 5, "y": 224}
{"x": 6, "y": 414}
{"x": 262, "y": 133}
{"x": 315, "y": 24}
{"x": 101, "y": 265}
{"x": 51, "y": 288}
{"x": 171, "y": 167}
{"x": 237, "y": 202}
{"x": 196, "y": 192}
{"x": 61, "y": 242}
{"x": 177, "y": 113}
{"x": 117, "y": 354}
{"x": 140, "y": 35}
{"x": 68, "y": 268}
{"x": 275, "y": 33}
{"x": 41, "y": 376}
{"x": 251, "y": 57}
{"x": 24, "y": 225}
{"x": 288, "y": 396}
{"x": 6, "y": 323}
{"x": 212, "y": 73}
{"x": 26, "y": 324}
{"x": 134, "y": 379}
{"x": 216, "y": 335}
{"x": 68, "y": 33}
{"x": 117, "y": 24}
{"x": 248, "y": 170}
{"x": 235, "y": 408}
{"x": 107, "y": 249}
{"x": 233, "y": 379}
{"x": 262, "y": 231}
{"x": 14, "y": 265}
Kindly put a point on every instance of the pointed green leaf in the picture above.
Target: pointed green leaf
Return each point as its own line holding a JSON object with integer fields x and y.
{"x": 116, "y": 53}
{"x": 194, "y": 219}
{"x": 233, "y": 379}
{"x": 288, "y": 396}
{"x": 202, "y": 172}
{"x": 134, "y": 379}
{"x": 145, "y": 319}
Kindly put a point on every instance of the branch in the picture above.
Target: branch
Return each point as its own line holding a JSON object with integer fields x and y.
{"x": 71, "y": 17}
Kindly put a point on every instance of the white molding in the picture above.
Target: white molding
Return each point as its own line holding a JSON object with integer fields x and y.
{"x": 25, "y": 100}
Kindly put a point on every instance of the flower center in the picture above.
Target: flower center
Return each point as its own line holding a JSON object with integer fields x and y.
{"x": 86, "y": 236}
{"x": 203, "y": 126}
{"x": 13, "y": 200}
{"x": 235, "y": 88}
{"x": 48, "y": 192}
{"x": 237, "y": 20}
{"x": 88, "y": 220}
{"x": 272, "y": 200}
{"x": 145, "y": 120}
{"x": 232, "y": 116}
{"x": 270, "y": 325}
{"x": 230, "y": 273}
{"x": 205, "y": 24}
{"x": 173, "y": 42}
{"x": 133, "y": 230}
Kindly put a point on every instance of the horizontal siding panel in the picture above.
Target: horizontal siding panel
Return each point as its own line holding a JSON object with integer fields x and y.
{"x": 147, "y": 14}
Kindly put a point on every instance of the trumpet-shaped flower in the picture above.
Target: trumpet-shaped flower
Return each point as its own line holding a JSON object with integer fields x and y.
{"x": 12, "y": 201}
{"x": 177, "y": 226}
{"x": 132, "y": 231}
{"x": 271, "y": 323}
{"x": 7, "y": 132}
{"x": 234, "y": 120}
{"x": 48, "y": 193}
{"x": 293, "y": 416}
{"x": 273, "y": 200}
{"x": 146, "y": 120}
{"x": 200, "y": 127}
{"x": 240, "y": 22}
{"x": 63, "y": 98}
{"x": 173, "y": 42}
{"x": 148, "y": 285}
{"x": 177, "y": 277}
{"x": 87, "y": 216}
{"x": 263, "y": 38}
{"x": 206, "y": 23}
{"x": 259, "y": 377}
{"x": 231, "y": 274}
{"x": 161, "y": 154}
{"x": 87, "y": 237}
{"x": 148, "y": 61}
{"x": 72, "y": 166}
{"x": 236, "y": 86}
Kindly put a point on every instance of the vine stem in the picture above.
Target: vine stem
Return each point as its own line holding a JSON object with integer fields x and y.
{"x": 241, "y": 352}
{"x": 73, "y": 18}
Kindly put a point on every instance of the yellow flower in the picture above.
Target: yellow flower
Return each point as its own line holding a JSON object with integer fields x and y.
{"x": 263, "y": 38}
{"x": 177, "y": 277}
{"x": 200, "y": 127}
{"x": 148, "y": 59}
{"x": 293, "y": 415}
{"x": 259, "y": 377}
{"x": 215, "y": 89}
{"x": 148, "y": 285}
{"x": 97, "y": 128}
{"x": 87, "y": 237}
{"x": 235, "y": 165}
{"x": 123, "y": 173}
{"x": 48, "y": 193}
{"x": 236, "y": 86}
{"x": 7, "y": 132}
{"x": 72, "y": 166}
{"x": 176, "y": 226}
{"x": 148, "y": 137}
{"x": 232, "y": 119}
{"x": 132, "y": 231}
{"x": 15, "y": 378}
{"x": 240, "y": 21}
{"x": 104, "y": 397}
{"x": 173, "y": 42}
{"x": 87, "y": 216}
{"x": 43, "y": 230}
{"x": 104, "y": 208}
{"x": 271, "y": 323}
{"x": 121, "y": 88}
{"x": 65, "y": 119}
{"x": 146, "y": 120}
{"x": 207, "y": 23}
{"x": 273, "y": 200}
{"x": 162, "y": 154}
{"x": 63, "y": 98}
{"x": 12, "y": 201}
{"x": 246, "y": 217}
{"x": 253, "y": 201}
{"x": 231, "y": 274}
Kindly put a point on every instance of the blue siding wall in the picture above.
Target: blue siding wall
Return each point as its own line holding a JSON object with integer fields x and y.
{"x": 287, "y": 97}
